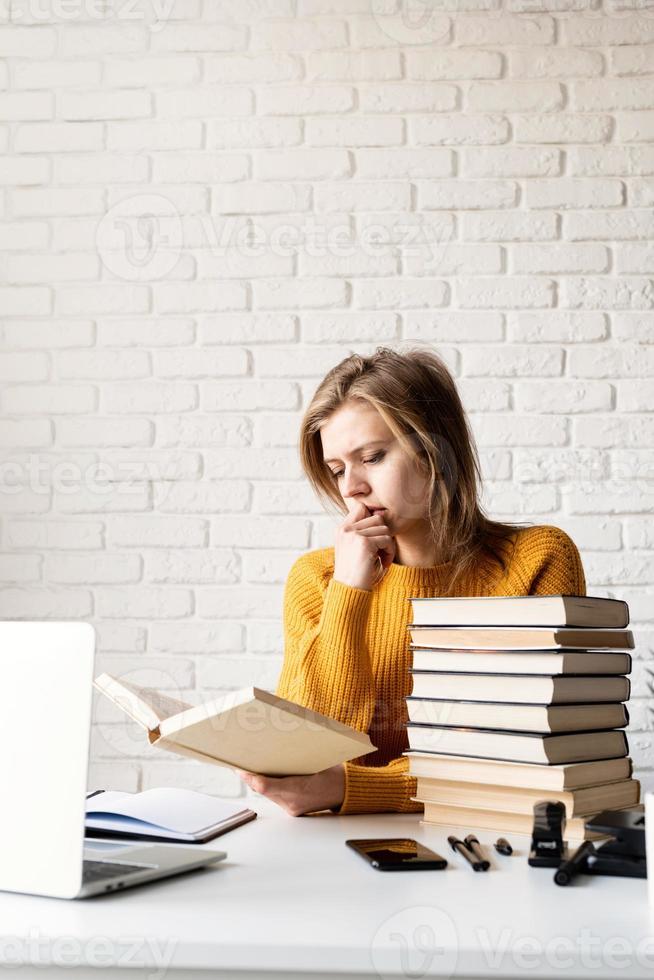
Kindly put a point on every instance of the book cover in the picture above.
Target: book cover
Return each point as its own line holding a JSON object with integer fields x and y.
{"x": 508, "y": 799}
{"x": 471, "y": 818}
{"x": 542, "y": 610}
{"x": 517, "y": 717}
{"x": 521, "y": 661}
{"x": 518, "y": 637}
{"x": 568, "y": 776}
{"x": 520, "y": 688}
{"x": 519, "y": 746}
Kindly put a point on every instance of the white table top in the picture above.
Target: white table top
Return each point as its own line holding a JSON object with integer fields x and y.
{"x": 291, "y": 897}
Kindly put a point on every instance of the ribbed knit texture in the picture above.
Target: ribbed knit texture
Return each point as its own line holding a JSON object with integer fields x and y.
{"x": 347, "y": 650}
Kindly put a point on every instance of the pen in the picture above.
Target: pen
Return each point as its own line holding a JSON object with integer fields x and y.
{"x": 473, "y": 845}
{"x": 575, "y": 864}
{"x": 459, "y": 846}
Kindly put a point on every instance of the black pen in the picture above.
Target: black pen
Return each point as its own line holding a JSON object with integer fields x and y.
{"x": 574, "y": 865}
{"x": 473, "y": 845}
{"x": 459, "y": 846}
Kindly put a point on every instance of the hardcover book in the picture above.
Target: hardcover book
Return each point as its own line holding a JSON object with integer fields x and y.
{"x": 248, "y": 729}
{"x": 523, "y": 610}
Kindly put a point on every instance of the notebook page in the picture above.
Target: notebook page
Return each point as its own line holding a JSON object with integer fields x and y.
{"x": 179, "y": 810}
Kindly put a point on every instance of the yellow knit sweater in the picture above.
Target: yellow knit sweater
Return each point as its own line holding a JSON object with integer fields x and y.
{"x": 347, "y": 650}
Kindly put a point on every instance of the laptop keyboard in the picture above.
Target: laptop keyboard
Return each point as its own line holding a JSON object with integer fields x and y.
{"x": 99, "y": 870}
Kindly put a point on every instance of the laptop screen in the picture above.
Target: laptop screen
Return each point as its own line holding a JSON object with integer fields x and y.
{"x": 46, "y": 676}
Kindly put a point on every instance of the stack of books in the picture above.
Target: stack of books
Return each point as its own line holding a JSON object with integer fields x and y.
{"x": 517, "y": 700}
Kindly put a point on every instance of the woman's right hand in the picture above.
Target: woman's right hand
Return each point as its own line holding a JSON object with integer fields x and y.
{"x": 360, "y": 540}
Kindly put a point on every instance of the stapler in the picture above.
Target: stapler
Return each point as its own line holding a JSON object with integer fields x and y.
{"x": 548, "y": 848}
{"x": 624, "y": 854}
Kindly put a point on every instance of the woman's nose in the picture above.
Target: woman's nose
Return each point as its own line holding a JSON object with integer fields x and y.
{"x": 353, "y": 482}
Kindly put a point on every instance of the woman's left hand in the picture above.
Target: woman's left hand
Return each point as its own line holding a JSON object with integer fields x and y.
{"x": 300, "y": 794}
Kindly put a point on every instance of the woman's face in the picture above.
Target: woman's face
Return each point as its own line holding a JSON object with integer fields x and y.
{"x": 371, "y": 466}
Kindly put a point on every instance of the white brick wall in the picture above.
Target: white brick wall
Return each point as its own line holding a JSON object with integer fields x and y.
{"x": 205, "y": 204}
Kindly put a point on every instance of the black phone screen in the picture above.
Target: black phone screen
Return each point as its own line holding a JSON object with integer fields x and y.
{"x": 398, "y": 854}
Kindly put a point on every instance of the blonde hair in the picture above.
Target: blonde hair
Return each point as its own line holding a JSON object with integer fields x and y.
{"x": 416, "y": 396}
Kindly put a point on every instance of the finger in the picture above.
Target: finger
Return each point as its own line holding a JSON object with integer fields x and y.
{"x": 382, "y": 543}
{"x": 273, "y": 786}
{"x": 260, "y": 784}
{"x": 368, "y": 521}
{"x": 289, "y": 798}
{"x": 373, "y": 532}
{"x": 354, "y": 504}
{"x": 294, "y": 803}
{"x": 357, "y": 510}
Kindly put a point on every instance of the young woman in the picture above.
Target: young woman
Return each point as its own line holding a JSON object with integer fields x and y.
{"x": 387, "y": 440}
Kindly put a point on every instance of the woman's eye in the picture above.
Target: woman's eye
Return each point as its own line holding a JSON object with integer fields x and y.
{"x": 377, "y": 458}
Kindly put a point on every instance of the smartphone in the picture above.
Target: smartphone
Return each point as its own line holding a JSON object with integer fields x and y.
{"x": 398, "y": 854}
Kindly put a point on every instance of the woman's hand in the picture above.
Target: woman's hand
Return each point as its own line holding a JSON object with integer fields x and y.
{"x": 361, "y": 543}
{"x": 300, "y": 794}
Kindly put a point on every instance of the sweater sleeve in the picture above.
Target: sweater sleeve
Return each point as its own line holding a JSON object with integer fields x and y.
{"x": 380, "y": 789}
{"x": 555, "y": 566}
{"x": 327, "y": 668}
{"x": 326, "y": 662}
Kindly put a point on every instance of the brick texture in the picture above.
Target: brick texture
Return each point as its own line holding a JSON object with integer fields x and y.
{"x": 201, "y": 214}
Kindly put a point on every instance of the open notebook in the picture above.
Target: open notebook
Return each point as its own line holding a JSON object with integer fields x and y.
{"x": 163, "y": 814}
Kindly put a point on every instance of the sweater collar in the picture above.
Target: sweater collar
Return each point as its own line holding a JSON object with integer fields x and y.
{"x": 417, "y": 576}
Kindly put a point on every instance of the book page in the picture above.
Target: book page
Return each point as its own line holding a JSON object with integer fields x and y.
{"x": 257, "y": 731}
{"x": 145, "y": 705}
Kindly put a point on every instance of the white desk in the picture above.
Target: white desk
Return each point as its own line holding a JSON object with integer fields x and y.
{"x": 292, "y": 899}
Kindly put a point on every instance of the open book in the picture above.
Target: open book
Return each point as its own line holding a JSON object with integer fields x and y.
{"x": 249, "y": 729}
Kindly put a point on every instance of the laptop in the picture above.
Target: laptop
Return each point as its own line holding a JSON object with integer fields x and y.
{"x": 46, "y": 675}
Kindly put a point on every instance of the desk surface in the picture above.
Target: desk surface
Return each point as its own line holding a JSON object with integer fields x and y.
{"x": 291, "y": 897}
